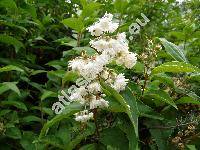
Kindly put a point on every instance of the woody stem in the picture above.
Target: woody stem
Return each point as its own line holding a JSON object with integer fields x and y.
{"x": 95, "y": 121}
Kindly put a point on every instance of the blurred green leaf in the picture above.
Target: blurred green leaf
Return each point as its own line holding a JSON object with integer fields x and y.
{"x": 13, "y": 132}
{"x": 69, "y": 110}
{"x": 10, "y": 4}
{"x": 87, "y": 132}
{"x": 175, "y": 67}
{"x": 31, "y": 118}
{"x": 11, "y": 68}
{"x": 47, "y": 94}
{"x": 191, "y": 147}
{"x": 174, "y": 50}
{"x": 11, "y": 41}
{"x": 70, "y": 76}
{"x": 162, "y": 96}
{"x": 115, "y": 138}
{"x": 16, "y": 104}
{"x": 121, "y": 5}
{"x": 74, "y": 23}
{"x": 126, "y": 104}
{"x": 9, "y": 86}
{"x": 187, "y": 100}
{"x": 163, "y": 78}
{"x": 89, "y": 9}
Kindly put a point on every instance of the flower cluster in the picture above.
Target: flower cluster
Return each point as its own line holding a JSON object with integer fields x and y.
{"x": 93, "y": 68}
{"x": 104, "y": 24}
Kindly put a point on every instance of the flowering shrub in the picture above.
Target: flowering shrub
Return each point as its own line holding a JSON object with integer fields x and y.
{"x": 93, "y": 68}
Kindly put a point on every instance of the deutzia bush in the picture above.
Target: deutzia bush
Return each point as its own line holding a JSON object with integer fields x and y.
{"x": 109, "y": 48}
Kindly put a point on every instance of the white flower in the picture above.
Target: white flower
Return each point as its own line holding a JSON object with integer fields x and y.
{"x": 102, "y": 60}
{"x": 76, "y": 64}
{"x": 105, "y": 74}
{"x": 95, "y": 30}
{"x": 78, "y": 95}
{"x": 75, "y": 96}
{"x": 104, "y": 24}
{"x": 90, "y": 70}
{"x": 101, "y": 103}
{"x": 82, "y": 91}
{"x": 127, "y": 59}
{"x": 100, "y": 45}
{"x": 121, "y": 37}
{"x": 120, "y": 83}
{"x": 83, "y": 116}
{"x": 120, "y": 59}
{"x": 113, "y": 27}
{"x": 94, "y": 87}
{"x": 130, "y": 60}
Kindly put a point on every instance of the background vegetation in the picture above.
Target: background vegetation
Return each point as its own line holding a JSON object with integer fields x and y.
{"x": 39, "y": 37}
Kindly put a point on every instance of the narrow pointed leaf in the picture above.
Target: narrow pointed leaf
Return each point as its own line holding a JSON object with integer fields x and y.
{"x": 175, "y": 67}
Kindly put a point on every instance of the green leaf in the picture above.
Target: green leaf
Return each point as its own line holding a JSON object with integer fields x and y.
{"x": 121, "y": 5}
{"x": 177, "y": 34}
{"x": 124, "y": 125}
{"x": 5, "y": 86}
{"x": 146, "y": 111}
{"x": 3, "y": 89}
{"x": 161, "y": 136}
{"x": 4, "y": 112}
{"x": 162, "y": 96}
{"x": 187, "y": 100}
{"x": 52, "y": 140}
{"x": 30, "y": 10}
{"x": 57, "y": 73}
{"x": 163, "y": 78}
{"x": 74, "y": 23}
{"x": 11, "y": 41}
{"x": 175, "y": 67}
{"x": 35, "y": 72}
{"x": 90, "y": 51}
{"x": 70, "y": 76}
{"x": 64, "y": 133}
{"x": 8, "y": 4}
{"x": 27, "y": 141}
{"x": 125, "y": 104}
{"x": 114, "y": 106}
{"x": 69, "y": 110}
{"x": 83, "y": 2}
{"x": 47, "y": 94}
{"x": 16, "y": 27}
{"x": 89, "y": 9}
{"x": 44, "y": 110}
{"x": 115, "y": 95}
{"x": 135, "y": 89}
{"x": 173, "y": 50}
{"x": 115, "y": 138}
{"x": 11, "y": 68}
{"x": 191, "y": 147}
{"x": 31, "y": 118}
{"x": 13, "y": 132}
{"x": 132, "y": 103}
{"x": 58, "y": 64}
{"x": 87, "y": 132}
{"x": 16, "y": 104}
{"x": 89, "y": 147}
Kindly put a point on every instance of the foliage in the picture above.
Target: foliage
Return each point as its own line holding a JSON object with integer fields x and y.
{"x": 39, "y": 37}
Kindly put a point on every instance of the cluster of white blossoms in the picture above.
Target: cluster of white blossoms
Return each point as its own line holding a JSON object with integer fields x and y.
{"x": 109, "y": 48}
{"x": 83, "y": 116}
{"x": 104, "y": 25}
